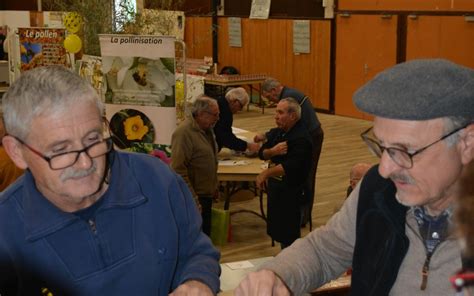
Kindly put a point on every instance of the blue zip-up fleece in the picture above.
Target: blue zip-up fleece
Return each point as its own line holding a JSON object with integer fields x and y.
{"x": 144, "y": 239}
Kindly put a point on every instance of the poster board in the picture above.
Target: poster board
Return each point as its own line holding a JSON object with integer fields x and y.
{"x": 41, "y": 47}
{"x": 24, "y": 19}
{"x": 139, "y": 84}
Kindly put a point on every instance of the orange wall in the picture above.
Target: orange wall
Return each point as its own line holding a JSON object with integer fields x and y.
{"x": 267, "y": 48}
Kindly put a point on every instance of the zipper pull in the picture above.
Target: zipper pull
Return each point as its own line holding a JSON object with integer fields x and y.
{"x": 424, "y": 277}
{"x": 425, "y": 271}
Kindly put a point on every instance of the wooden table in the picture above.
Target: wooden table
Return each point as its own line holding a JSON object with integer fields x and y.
{"x": 234, "y": 272}
{"x": 232, "y": 275}
{"x": 245, "y": 170}
{"x": 234, "y": 80}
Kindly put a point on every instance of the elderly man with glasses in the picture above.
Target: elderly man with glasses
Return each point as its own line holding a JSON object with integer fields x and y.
{"x": 395, "y": 229}
{"x": 194, "y": 155}
{"x": 85, "y": 219}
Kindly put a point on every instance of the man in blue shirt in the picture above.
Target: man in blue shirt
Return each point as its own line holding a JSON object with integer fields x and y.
{"x": 85, "y": 219}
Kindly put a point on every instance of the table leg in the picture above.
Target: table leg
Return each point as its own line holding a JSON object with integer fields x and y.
{"x": 227, "y": 195}
{"x": 260, "y": 98}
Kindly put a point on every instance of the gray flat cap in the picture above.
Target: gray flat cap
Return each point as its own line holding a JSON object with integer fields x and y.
{"x": 419, "y": 90}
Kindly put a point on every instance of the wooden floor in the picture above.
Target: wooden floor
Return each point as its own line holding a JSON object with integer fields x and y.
{"x": 342, "y": 147}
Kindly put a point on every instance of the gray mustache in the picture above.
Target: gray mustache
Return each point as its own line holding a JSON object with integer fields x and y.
{"x": 71, "y": 173}
{"x": 402, "y": 178}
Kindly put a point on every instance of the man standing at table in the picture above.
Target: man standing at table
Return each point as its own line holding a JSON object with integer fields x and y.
{"x": 194, "y": 155}
{"x": 234, "y": 101}
{"x": 85, "y": 219}
{"x": 395, "y": 229}
{"x": 288, "y": 147}
{"x": 273, "y": 90}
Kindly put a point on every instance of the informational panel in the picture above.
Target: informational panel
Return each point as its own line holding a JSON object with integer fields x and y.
{"x": 139, "y": 88}
{"x": 235, "y": 31}
{"x": 260, "y": 9}
{"x": 41, "y": 47}
{"x": 24, "y": 19}
{"x": 301, "y": 36}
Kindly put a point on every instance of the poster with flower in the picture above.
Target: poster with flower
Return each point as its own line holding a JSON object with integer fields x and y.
{"x": 139, "y": 90}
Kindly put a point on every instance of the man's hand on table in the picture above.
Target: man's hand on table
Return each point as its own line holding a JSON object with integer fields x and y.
{"x": 262, "y": 283}
{"x": 192, "y": 288}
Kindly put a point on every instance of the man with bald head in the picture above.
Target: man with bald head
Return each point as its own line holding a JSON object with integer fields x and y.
{"x": 356, "y": 173}
{"x": 395, "y": 229}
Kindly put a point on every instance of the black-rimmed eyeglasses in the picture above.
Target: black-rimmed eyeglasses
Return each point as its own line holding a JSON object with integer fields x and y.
{"x": 67, "y": 159}
{"x": 399, "y": 156}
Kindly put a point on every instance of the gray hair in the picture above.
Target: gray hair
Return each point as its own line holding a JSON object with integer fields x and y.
{"x": 202, "y": 103}
{"x": 293, "y": 106}
{"x": 44, "y": 90}
{"x": 269, "y": 84}
{"x": 453, "y": 122}
{"x": 238, "y": 93}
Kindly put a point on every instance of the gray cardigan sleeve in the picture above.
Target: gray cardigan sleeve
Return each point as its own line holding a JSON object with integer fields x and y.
{"x": 322, "y": 255}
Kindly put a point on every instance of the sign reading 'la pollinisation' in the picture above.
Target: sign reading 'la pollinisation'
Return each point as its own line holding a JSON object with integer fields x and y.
{"x": 136, "y": 40}
{"x": 130, "y": 45}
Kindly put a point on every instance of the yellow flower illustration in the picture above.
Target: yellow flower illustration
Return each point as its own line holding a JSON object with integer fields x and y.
{"x": 134, "y": 128}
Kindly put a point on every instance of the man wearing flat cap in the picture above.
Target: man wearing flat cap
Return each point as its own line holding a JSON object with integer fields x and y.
{"x": 395, "y": 229}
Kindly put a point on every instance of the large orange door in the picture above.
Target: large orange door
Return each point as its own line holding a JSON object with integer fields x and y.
{"x": 449, "y": 37}
{"x": 365, "y": 45}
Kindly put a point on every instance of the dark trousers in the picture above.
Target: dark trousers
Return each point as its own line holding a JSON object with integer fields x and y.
{"x": 206, "y": 210}
{"x": 317, "y": 136}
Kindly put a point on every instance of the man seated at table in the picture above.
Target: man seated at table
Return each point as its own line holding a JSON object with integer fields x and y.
{"x": 288, "y": 147}
{"x": 234, "y": 101}
{"x": 85, "y": 219}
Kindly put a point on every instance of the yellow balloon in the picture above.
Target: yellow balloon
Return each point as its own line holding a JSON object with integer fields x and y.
{"x": 72, "y": 43}
{"x": 73, "y": 22}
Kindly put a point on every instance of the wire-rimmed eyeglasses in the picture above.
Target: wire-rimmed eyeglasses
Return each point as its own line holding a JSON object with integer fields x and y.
{"x": 67, "y": 159}
{"x": 401, "y": 157}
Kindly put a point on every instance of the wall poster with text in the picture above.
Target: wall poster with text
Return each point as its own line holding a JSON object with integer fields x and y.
{"x": 139, "y": 90}
{"x": 41, "y": 47}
